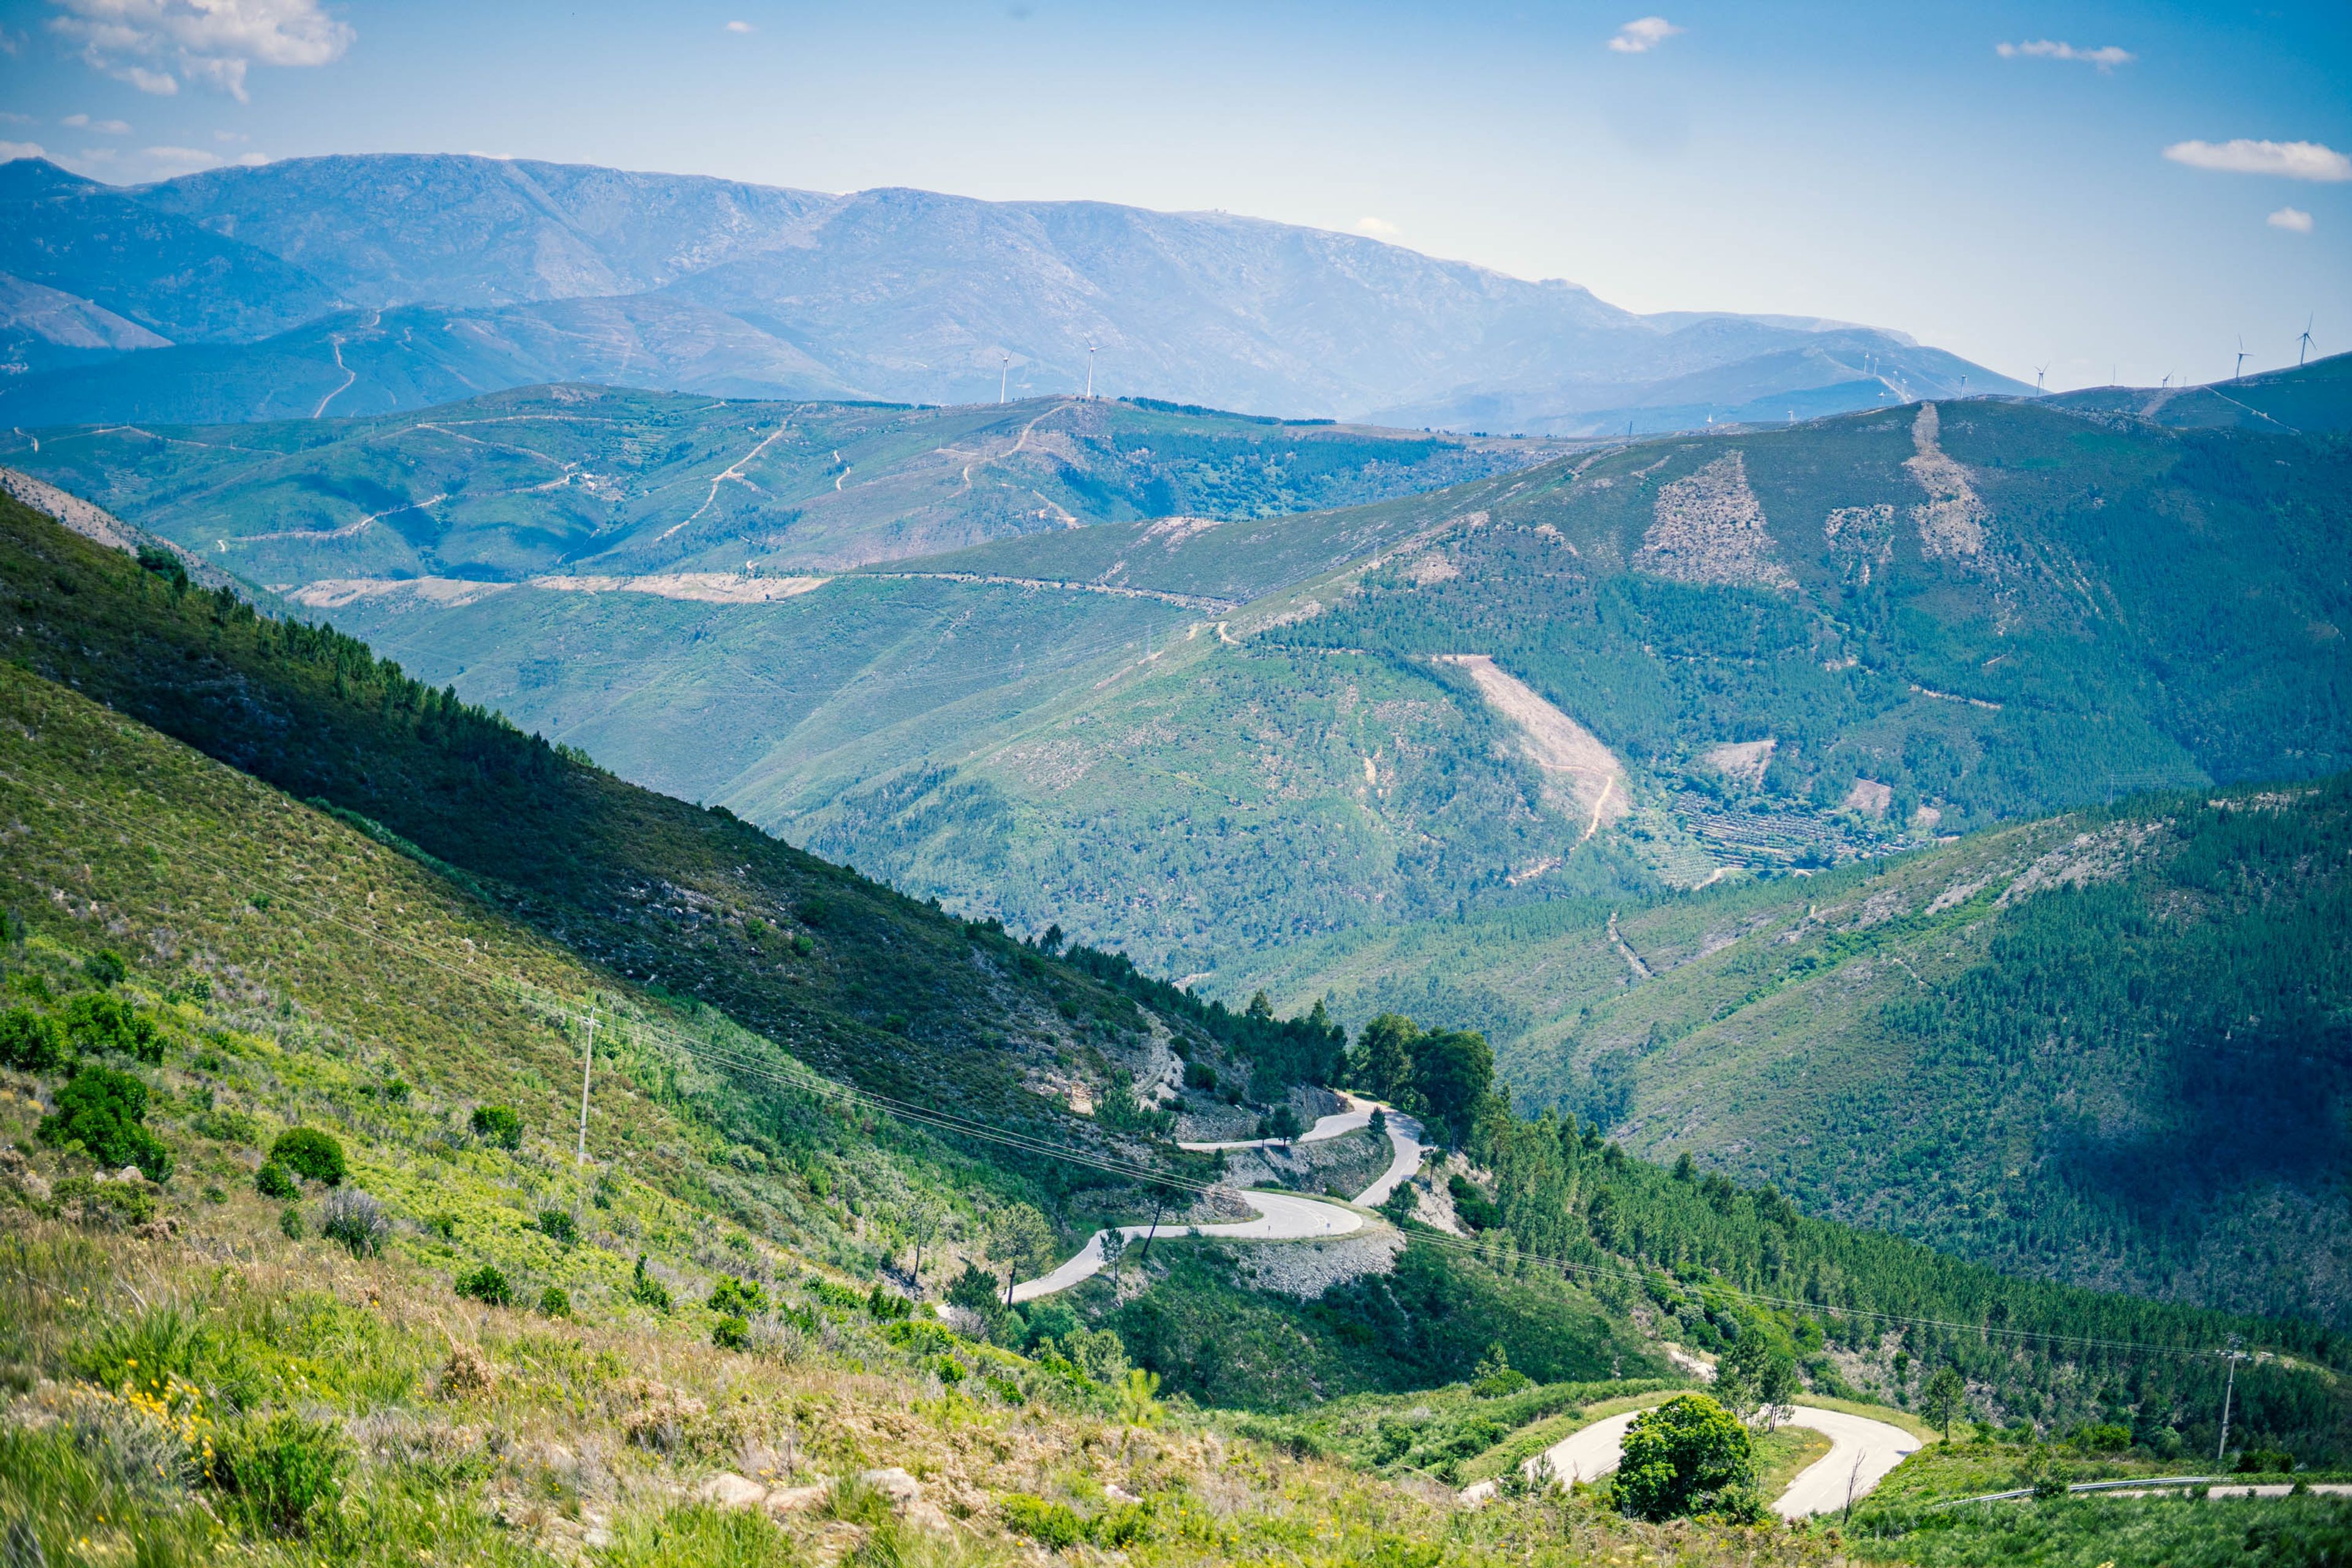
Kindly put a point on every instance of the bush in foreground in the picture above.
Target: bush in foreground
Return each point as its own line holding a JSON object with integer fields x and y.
{"x": 104, "y": 1110}
{"x": 355, "y": 1219}
{"x": 311, "y": 1153}
{"x": 1688, "y": 1457}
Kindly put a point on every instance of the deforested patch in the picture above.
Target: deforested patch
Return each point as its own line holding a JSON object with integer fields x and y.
{"x": 1574, "y": 761}
{"x": 1861, "y": 539}
{"x": 1431, "y": 567}
{"x": 1708, "y": 526}
{"x": 1744, "y": 761}
{"x": 1951, "y": 520}
{"x": 1869, "y": 797}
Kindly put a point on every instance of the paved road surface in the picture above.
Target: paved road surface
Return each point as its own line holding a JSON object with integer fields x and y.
{"x": 1861, "y": 1451}
{"x": 1282, "y": 1216}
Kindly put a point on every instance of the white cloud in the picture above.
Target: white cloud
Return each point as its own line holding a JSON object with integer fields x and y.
{"x": 2106, "y": 58}
{"x": 2294, "y": 219}
{"x": 742, "y": 27}
{"x": 1641, "y": 36}
{"x": 186, "y": 159}
{"x": 12, "y": 151}
{"x": 2288, "y": 160}
{"x": 208, "y": 41}
{"x": 84, "y": 122}
{"x": 9, "y": 117}
{"x": 231, "y": 136}
{"x": 1379, "y": 228}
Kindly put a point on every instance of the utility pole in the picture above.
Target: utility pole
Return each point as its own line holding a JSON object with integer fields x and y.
{"x": 2228, "y": 1389}
{"x": 1157, "y": 1198}
{"x": 587, "y": 1065}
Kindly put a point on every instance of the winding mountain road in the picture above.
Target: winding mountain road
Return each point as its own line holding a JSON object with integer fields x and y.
{"x": 1862, "y": 1452}
{"x": 1282, "y": 1216}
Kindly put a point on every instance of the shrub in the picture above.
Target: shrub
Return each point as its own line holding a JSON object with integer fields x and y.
{"x": 104, "y": 1025}
{"x": 731, "y": 1332}
{"x": 558, "y": 1226}
{"x": 487, "y": 1285}
{"x": 1138, "y": 1403}
{"x": 1099, "y": 1353}
{"x": 310, "y": 1152}
{"x": 238, "y": 1126}
{"x": 497, "y": 1126}
{"x": 886, "y": 1306}
{"x": 554, "y": 1303}
{"x": 274, "y": 1180}
{"x": 738, "y": 1298}
{"x": 286, "y": 1474}
{"x": 355, "y": 1219}
{"x": 919, "y": 1337}
{"x": 1200, "y": 1075}
{"x": 289, "y": 1223}
{"x": 1687, "y": 1456}
{"x": 28, "y": 1041}
{"x": 113, "y": 1204}
{"x": 2106, "y": 1438}
{"x": 700, "y": 1535}
{"x": 1494, "y": 1376}
{"x": 104, "y": 1110}
{"x": 1051, "y": 1525}
{"x": 105, "y": 967}
{"x": 646, "y": 1290}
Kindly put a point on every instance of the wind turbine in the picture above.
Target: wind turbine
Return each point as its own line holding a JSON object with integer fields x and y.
{"x": 1002, "y": 376}
{"x": 2039, "y": 371}
{"x": 2240, "y": 373}
{"x": 2305, "y": 341}
{"x": 1090, "y": 372}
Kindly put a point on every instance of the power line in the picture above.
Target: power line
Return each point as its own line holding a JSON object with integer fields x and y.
{"x": 807, "y": 1080}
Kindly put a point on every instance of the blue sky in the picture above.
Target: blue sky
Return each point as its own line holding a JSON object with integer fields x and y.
{"x": 1887, "y": 163}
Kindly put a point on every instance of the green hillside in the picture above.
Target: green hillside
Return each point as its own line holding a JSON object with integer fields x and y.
{"x": 229, "y": 963}
{"x": 599, "y": 480}
{"x": 1852, "y": 695}
{"x": 2107, "y": 1047}
{"x": 1890, "y": 633}
{"x": 2308, "y": 398}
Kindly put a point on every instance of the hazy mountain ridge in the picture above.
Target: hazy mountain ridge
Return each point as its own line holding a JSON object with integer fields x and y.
{"x": 893, "y": 294}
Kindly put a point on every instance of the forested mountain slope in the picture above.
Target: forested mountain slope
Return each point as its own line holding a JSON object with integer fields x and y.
{"x": 463, "y": 1342}
{"x": 306, "y": 924}
{"x": 591, "y": 480}
{"x": 2109, "y": 1047}
{"x": 1778, "y": 648}
{"x": 1790, "y": 646}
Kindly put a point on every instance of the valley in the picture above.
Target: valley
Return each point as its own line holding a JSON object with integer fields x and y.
{"x": 813, "y": 1079}
{"x": 1174, "y": 787}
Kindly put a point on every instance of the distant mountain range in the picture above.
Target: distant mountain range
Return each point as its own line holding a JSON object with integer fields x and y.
{"x": 376, "y": 284}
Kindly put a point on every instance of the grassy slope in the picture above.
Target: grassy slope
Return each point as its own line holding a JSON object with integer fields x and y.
{"x": 888, "y": 993}
{"x": 592, "y": 1422}
{"x": 304, "y": 1021}
{"x": 585, "y": 479}
{"x": 1903, "y": 1521}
